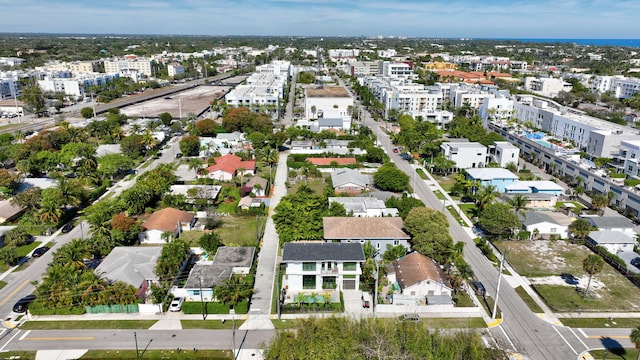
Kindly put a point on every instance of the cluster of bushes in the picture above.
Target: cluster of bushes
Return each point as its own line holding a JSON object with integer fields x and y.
{"x": 484, "y": 246}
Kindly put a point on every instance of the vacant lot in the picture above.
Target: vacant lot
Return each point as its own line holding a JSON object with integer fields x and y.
{"x": 554, "y": 268}
{"x": 239, "y": 230}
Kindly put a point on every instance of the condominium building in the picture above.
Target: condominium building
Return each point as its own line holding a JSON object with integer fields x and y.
{"x": 75, "y": 86}
{"x": 174, "y": 69}
{"x": 143, "y": 65}
{"x": 75, "y": 67}
{"x": 549, "y": 87}
{"x": 328, "y": 102}
{"x": 622, "y": 87}
{"x": 9, "y": 85}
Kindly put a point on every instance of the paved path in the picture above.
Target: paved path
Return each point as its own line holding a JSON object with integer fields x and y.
{"x": 266, "y": 273}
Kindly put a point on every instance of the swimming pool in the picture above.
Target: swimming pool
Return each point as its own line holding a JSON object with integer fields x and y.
{"x": 545, "y": 144}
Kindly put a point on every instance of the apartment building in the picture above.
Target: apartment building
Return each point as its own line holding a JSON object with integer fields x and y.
{"x": 75, "y": 86}
{"x": 75, "y": 67}
{"x": 465, "y": 154}
{"x": 549, "y": 87}
{"x": 396, "y": 70}
{"x": 328, "y": 102}
{"x": 621, "y": 86}
{"x": 115, "y": 65}
{"x": 174, "y": 69}
{"x": 9, "y": 85}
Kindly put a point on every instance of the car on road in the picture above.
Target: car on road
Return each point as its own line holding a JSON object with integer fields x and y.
{"x": 636, "y": 262}
{"x": 39, "y": 251}
{"x": 176, "y": 303}
{"x": 167, "y": 97}
{"x": 23, "y": 304}
{"x": 178, "y": 155}
{"x": 67, "y": 227}
{"x": 395, "y": 150}
{"x": 405, "y": 156}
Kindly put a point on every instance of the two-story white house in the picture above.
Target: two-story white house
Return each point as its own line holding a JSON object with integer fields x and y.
{"x": 465, "y": 154}
{"x": 318, "y": 266}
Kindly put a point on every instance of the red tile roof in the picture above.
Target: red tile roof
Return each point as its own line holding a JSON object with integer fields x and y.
{"x": 328, "y": 161}
{"x": 231, "y": 163}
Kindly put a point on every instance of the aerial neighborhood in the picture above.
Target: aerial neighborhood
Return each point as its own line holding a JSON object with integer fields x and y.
{"x": 260, "y": 185}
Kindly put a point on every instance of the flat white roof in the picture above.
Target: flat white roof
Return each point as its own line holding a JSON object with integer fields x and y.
{"x": 490, "y": 173}
{"x": 540, "y": 185}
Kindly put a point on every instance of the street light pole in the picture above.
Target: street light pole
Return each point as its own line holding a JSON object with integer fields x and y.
{"x": 135, "y": 338}
{"x": 495, "y": 304}
{"x": 201, "y": 298}
{"x": 375, "y": 291}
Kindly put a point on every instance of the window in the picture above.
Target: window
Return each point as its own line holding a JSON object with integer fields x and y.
{"x": 553, "y": 230}
{"x": 349, "y": 266}
{"x": 196, "y": 292}
{"x": 308, "y": 281}
{"x": 396, "y": 242}
{"x": 309, "y": 266}
{"x": 378, "y": 246}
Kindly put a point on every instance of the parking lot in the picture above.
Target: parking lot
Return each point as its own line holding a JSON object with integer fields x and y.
{"x": 193, "y": 101}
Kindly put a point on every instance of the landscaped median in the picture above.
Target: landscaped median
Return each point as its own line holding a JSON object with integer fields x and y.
{"x": 124, "y": 324}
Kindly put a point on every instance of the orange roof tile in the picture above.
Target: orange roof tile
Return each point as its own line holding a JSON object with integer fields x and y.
{"x": 167, "y": 219}
{"x": 231, "y": 163}
{"x": 328, "y": 161}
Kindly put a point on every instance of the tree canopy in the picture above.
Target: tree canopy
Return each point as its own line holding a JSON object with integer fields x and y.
{"x": 498, "y": 220}
{"x": 390, "y": 178}
{"x": 429, "y": 229}
{"x": 244, "y": 120}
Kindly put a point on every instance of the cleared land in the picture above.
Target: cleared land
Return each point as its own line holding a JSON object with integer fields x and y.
{"x": 194, "y": 101}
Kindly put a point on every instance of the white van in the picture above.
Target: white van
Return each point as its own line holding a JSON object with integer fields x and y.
{"x": 366, "y": 300}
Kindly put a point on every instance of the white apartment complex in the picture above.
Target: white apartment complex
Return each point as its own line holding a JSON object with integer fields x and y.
{"x": 328, "y": 102}
{"x": 174, "y": 69}
{"x": 261, "y": 89}
{"x": 549, "y": 87}
{"x": 75, "y": 86}
{"x": 621, "y": 86}
{"x": 115, "y": 65}
{"x": 465, "y": 154}
{"x": 75, "y": 67}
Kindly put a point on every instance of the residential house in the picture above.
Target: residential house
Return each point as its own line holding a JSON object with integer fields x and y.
{"x": 207, "y": 274}
{"x": 496, "y": 177}
{"x": 613, "y": 223}
{"x": 613, "y": 241}
{"x": 380, "y": 232}
{"x": 328, "y": 161}
{"x": 169, "y": 220}
{"x": 419, "y": 279}
{"x": 546, "y": 223}
{"x": 247, "y": 202}
{"x": 227, "y": 166}
{"x": 328, "y": 102}
{"x": 504, "y": 153}
{"x": 298, "y": 145}
{"x": 9, "y": 211}
{"x": 350, "y": 181}
{"x": 332, "y": 144}
{"x": 364, "y": 206}
{"x": 317, "y": 266}
{"x": 257, "y": 186}
{"x": 194, "y": 192}
{"x": 328, "y": 124}
{"x": 535, "y": 200}
{"x": 535, "y": 187}
{"x": 465, "y": 154}
{"x": 131, "y": 265}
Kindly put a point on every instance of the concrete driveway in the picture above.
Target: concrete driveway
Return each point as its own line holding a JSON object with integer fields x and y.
{"x": 353, "y": 304}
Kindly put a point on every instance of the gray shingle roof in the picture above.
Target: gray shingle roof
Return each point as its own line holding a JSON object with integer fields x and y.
{"x": 612, "y": 237}
{"x": 349, "y": 176}
{"x": 608, "y": 222}
{"x": 329, "y": 122}
{"x": 131, "y": 265}
{"x": 321, "y": 251}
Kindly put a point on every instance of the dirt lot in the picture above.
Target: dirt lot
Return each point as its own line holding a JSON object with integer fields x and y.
{"x": 191, "y": 101}
{"x": 554, "y": 268}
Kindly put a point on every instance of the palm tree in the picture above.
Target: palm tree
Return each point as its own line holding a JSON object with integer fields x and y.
{"x": 635, "y": 339}
{"x": 71, "y": 191}
{"x": 518, "y": 202}
{"x": 73, "y": 253}
{"x": 592, "y": 265}
{"x": 599, "y": 202}
{"x": 233, "y": 291}
{"x": 195, "y": 163}
{"x": 19, "y": 136}
{"x": 486, "y": 196}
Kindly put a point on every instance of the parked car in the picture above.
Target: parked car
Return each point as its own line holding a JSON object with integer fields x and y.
{"x": 178, "y": 155}
{"x": 636, "y": 262}
{"x": 366, "y": 300}
{"x": 23, "y": 304}
{"x": 67, "y": 227}
{"x": 176, "y": 303}
{"x": 39, "y": 251}
{"x": 395, "y": 150}
{"x": 478, "y": 288}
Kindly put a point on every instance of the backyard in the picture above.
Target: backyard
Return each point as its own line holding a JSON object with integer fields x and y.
{"x": 233, "y": 231}
{"x": 555, "y": 271}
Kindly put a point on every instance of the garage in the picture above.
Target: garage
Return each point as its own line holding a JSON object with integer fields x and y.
{"x": 349, "y": 284}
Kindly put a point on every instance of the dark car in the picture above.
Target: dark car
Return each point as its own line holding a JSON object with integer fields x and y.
{"x": 22, "y": 304}
{"x": 39, "y": 251}
{"x": 636, "y": 262}
{"x": 67, "y": 227}
{"x": 478, "y": 288}
{"x": 178, "y": 155}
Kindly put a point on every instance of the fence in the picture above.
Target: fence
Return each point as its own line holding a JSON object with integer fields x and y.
{"x": 111, "y": 309}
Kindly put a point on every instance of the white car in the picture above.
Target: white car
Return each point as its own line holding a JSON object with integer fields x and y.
{"x": 176, "y": 303}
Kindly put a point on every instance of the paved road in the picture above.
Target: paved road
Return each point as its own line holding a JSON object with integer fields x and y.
{"x": 124, "y": 339}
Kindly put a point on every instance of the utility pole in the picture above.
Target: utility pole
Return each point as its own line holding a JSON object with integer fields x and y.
{"x": 180, "y": 106}
{"x": 495, "y": 304}
{"x": 201, "y": 299}
{"x": 135, "y": 338}
{"x": 375, "y": 291}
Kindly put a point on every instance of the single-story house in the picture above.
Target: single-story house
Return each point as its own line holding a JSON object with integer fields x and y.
{"x": 9, "y": 211}
{"x": 248, "y": 202}
{"x": 364, "y": 206}
{"x": 535, "y": 200}
{"x": 257, "y": 186}
{"x": 227, "y": 166}
{"x": 131, "y": 265}
{"x": 380, "y": 232}
{"x": 329, "y": 123}
{"x": 317, "y": 266}
{"x": 302, "y": 145}
{"x": 42, "y": 183}
{"x": 613, "y": 241}
{"x": 497, "y": 177}
{"x": 328, "y": 161}
{"x": 612, "y": 223}
{"x": 331, "y": 144}
{"x": 419, "y": 278}
{"x": 535, "y": 187}
{"x": 192, "y": 192}
{"x": 546, "y": 223}
{"x": 350, "y": 181}
{"x": 206, "y": 275}
{"x": 166, "y": 220}
{"x": 209, "y": 146}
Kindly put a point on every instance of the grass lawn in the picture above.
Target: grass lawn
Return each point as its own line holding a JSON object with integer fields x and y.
{"x": 192, "y": 237}
{"x": 87, "y": 324}
{"x": 546, "y": 263}
{"x": 528, "y": 300}
{"x": 464, "y": 300}
{"x": 24, "y": 250}
{"x": 601, "y": 322}
{"x": 159, "y": 354}
{"x": 438, "y": 194}
{"x": 576, "y": 210}
{"x": 238, "y": 230}
{"x": 18, "y": 355}
{"x": 450, "y": 323}
{"x": 469, "y": 209}
{"x": 445, "y": 182}
{"x": 2, "y": 284}
{"x": 619, "y": 354}
{"x": 284, "y": 324}
{"x": 210, "y": 324}
{"x": 421, "y": 173}
{"x": 316, "y": 185}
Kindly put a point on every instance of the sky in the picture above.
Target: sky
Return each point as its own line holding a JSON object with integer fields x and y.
{"x": 422, "y": 18}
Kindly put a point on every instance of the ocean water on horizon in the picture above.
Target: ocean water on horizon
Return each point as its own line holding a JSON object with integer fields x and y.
{"x": 595, "y": 42}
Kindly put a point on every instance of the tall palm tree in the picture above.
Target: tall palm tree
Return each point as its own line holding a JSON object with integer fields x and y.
{"x": 592, "y": 265}
{"x": 487, "y": 195}
{"x": 518, "y": 202}
{"x": 195, "y": 163}
{"x": 233, "y": 291}
{"x": 635, "y": 339}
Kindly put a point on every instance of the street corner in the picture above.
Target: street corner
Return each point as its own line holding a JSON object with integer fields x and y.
{"x": 494, "y": 323}
{"x": 550, "y": 319}
{"x": 10, "y": 324}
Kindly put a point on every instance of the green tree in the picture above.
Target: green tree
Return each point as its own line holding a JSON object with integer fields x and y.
{"x": 33, "y": 98}
{"x": 404, "y": 204}
{"x": 580, "y": 229}
{"x": 9, "y": 255}
{"x": 305, "y": 77}
{"x": 133, "y": 146}
{"x": 599, "y": 202}
{"x": 233, "y": 291}
{"x": 518, "y": 202}
{"x": 592, "y": 265}
{"x": 635, "y": 339}
{"x": 498, "y": 220}
{"x": 393, "y": 253}
{"x": 113, "y": 164}
{"x": 390, "y": 178}
{"x": 190, "y": 145}
{"x": 86, "y": 112}
{"x": 486, "y": 196}
{"x": 206, "y": 127}
{"x": 16, "y": 237}
{"x": 165, "y": 118}
{"x": 430, "y": 233}
{"x": 210, "y": 242}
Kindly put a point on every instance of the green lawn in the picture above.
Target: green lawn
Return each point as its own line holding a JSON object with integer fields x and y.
{"x": 239, "y": 230}
{"x": 439, "y": 195}
{"x": 284, "y": 324}
{"x": 469, "y": 209}
{"x": 549, "y": 260}
{"x": 87, "y": 324}
{"x": 421, "y": 174}
{"x": 192, "y": 237}
{"x": 576, "y": 210}
{"x": 174, "y": 354}
{"x": 533, "y": 306}
{"x": 24, "y": 250}
{"x": 209, "y": 324}
{"x": 601, "y": 322}
{"x": 451, "y": 323}
{"x": 618, "y": 354}
{"x": 316, "y": 185}
{"x": 464, "y": 300}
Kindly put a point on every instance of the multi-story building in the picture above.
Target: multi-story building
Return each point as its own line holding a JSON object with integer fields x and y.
{"x": 631, "y": 149}
{"x": 174, "y": 69}
{"x": 75, "y": 86}
{"x": 549, "y": 87}
{"x": 143, "y": 65}
{"x": 504, "y": 153}
{"x": 9, "y": 86}
{"x": 465, "y": 154}
{"x": 621, "y": 86}
{"x": 329, "y": 102}
{"x": 262, "y": 89}
{"x": 397, "y": 70}
{"x": 75, "y": 67}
